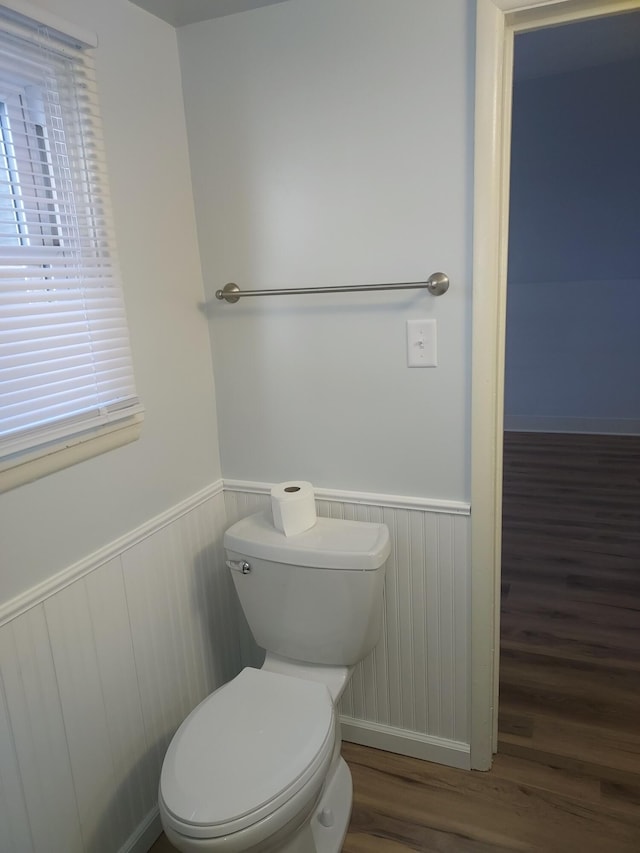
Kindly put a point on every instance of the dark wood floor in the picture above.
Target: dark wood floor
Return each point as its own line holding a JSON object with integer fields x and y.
{"x": 402, "y": 804}
{"x": 570, "y": 650}
{"x": 567, "y": 776}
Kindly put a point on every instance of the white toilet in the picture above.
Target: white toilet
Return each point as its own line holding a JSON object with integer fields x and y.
{"x": 256, "y": 766}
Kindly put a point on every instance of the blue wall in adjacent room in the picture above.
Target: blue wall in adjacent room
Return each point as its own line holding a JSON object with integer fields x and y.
{"x": 573, "y": 346}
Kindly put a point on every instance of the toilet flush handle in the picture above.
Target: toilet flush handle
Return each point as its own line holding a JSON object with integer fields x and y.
{"x": 239, "y": 566}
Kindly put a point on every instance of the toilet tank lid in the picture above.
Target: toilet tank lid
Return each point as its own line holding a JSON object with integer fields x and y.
{"x": 332, "y": 543}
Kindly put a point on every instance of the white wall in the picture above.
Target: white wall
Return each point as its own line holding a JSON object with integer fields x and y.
{"x": 331, "y": 143}
{"x": 49, "y": 524}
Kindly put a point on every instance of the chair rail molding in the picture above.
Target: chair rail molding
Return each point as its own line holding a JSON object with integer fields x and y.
{"x": 37, "y": 594}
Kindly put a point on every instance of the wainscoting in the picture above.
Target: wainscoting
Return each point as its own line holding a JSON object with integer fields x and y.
{"x": 410, "y": 695}
{"x": 100, "y": 665}
{"x": 98, "y": 669}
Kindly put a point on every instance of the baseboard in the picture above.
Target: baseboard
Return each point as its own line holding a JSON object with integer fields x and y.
{"x": 145, "y": 835}
{"x": 586, "y": 426}
{"x": 414, "y": 744}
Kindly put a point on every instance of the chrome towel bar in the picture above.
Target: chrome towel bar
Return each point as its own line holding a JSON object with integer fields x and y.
{"x": 436, "y": 284}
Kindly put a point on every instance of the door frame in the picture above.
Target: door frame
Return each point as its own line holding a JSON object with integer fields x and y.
{"x": 497, "y": 22}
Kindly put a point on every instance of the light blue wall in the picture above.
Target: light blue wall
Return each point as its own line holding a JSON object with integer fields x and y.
{"x": 331, "y": 143}
{"x": 573, "y": 348}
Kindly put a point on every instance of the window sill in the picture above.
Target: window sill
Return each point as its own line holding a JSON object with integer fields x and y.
{"x": 29, "y": 467}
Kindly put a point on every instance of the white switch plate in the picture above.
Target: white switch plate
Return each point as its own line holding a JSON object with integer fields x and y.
{"x": 422, "y": 343}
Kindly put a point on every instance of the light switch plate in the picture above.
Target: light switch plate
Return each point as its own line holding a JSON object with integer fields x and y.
{"x": 422, "y": 343}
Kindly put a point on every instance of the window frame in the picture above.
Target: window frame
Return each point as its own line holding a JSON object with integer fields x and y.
{"x": 51, "y": 453}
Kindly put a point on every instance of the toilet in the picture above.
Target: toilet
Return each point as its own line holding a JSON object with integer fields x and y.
{"x": 256, "y": 767}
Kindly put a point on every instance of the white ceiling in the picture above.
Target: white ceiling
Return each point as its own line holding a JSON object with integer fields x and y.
{"x": 181, "y": 12}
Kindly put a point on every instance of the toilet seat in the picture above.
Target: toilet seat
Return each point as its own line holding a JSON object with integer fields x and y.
{"x": 246, "y": 751}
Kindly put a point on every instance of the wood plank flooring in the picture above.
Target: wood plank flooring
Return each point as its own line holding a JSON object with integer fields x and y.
{"x": 402, "y": 804}
{"x": 570, "y": 647}
{"x": 567, "y": 776}
{"x": 570, "y": 632}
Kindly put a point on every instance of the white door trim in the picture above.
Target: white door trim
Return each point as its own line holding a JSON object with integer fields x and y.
{"x": 497, "y": 21}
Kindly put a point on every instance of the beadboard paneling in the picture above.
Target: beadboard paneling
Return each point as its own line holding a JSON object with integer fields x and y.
{"x": 411, "y": 692}
{"x": 16, "y": 833}
{"x": 182, "y": 616}
{"x": 37, "y": 728}
{"x": 95, "y": 678}
{"x": 93, "y": 657}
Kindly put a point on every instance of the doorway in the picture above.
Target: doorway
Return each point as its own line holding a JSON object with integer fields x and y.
{"x": 498, "y": 22}
{"x": 570, "y": 615}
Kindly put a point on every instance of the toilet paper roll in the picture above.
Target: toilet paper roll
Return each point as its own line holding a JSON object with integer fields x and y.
{"x": 294, "y": 507}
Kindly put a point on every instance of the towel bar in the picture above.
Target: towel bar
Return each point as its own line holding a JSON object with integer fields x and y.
{"x": 436, "y": 284}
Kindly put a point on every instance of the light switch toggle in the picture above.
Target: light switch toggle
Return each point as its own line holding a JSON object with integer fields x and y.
{"x": 422, "y": 345}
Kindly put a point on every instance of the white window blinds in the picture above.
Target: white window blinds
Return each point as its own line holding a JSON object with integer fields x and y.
{"x": 65, "y": 362}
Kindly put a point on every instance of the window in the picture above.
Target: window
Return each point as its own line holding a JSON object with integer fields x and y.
{"x": 66, "y": 377}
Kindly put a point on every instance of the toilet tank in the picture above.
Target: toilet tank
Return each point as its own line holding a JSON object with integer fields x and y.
{"x": 315, "y": 597}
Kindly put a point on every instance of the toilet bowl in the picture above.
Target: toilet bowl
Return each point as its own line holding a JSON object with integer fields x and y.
{"x": 256, "y": 767}
{"x": 249, "y": 764}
